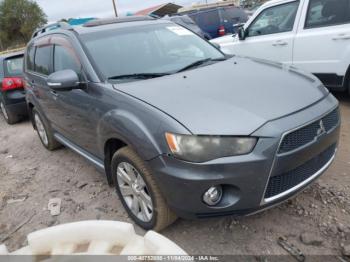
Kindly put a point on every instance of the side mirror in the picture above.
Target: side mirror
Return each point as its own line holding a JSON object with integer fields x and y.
{"x": 63, "y": 80}
{"x": 237, "y": 26}
{"x": 242, "y": 33}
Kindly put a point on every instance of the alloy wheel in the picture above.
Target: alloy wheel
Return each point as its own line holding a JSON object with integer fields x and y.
{"x": 41, "y": 129}
{"x": 134, "y": 191}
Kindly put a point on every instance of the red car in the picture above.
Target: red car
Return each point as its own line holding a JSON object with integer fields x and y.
{"x": 12, "y": 94}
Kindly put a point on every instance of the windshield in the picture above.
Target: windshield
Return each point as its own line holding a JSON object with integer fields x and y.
{"x": 13, "y": 66}
{"x": 151, "y": 49}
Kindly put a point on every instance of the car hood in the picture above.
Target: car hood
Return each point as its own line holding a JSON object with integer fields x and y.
{"x": 233, "y": 97}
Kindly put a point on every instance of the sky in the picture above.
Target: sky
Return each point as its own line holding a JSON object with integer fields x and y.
{"x": 58, "y": 9}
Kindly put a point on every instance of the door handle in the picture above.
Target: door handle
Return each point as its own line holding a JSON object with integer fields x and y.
{"x": 54, "y": 93}
{"x": 342, "y": 37}
{"x": 280, "y": 43}
{"x": 30, "y": 84}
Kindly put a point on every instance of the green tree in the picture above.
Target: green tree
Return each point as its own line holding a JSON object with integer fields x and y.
{"x": 18, "y": 20}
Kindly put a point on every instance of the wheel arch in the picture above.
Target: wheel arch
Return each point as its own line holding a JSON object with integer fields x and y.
{"x": 120, "y": 128}
{"x": 30, "y": 107}
{"x": 347, "y": 80}
{"x": 111, "y": 146}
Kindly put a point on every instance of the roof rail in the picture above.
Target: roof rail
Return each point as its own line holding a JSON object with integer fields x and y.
{"x": 108, "y": 21}
{"x": 61, "y": 25}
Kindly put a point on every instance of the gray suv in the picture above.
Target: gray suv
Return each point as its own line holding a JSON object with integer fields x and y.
{"x": 178, "y": 127}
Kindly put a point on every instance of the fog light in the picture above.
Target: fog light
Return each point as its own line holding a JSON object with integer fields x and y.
{"x": 213, "y": 195}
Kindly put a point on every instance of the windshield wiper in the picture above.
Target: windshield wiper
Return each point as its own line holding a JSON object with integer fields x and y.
{"x": 199, "y": 63}
{"x": 138, "y": 76}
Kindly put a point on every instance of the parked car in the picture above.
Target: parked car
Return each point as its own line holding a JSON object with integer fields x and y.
{"x": 12, "y": 94}
{"x": 186, "y": 21}
{"x": 313, "y": 35}
{"x": 218, "y": 21}
{"x": 251, "y": 10}
{"x": 174, "y": 123}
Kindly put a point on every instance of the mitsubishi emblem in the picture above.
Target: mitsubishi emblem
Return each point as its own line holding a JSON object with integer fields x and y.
{"x": 322, "y": 130}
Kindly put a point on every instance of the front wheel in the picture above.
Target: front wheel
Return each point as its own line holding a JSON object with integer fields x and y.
{"x": 139, "y": 192}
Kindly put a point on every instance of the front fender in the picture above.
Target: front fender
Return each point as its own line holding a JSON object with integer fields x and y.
{"x": 141, "y": 128}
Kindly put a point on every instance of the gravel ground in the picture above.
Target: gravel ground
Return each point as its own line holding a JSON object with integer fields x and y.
{"x": 316, "y": 221}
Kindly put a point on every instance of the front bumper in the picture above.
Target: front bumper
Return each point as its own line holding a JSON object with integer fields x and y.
{"x": 245, "y": 178}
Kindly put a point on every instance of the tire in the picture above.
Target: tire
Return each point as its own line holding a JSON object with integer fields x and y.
{"x": 348, "y": 85}
{"x": 44, "y": 131}
{"x": 9, "y": 117}
{"x": 161, "y": 217}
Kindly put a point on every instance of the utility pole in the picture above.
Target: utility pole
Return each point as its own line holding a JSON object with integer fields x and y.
{"x": 115, "y": 8}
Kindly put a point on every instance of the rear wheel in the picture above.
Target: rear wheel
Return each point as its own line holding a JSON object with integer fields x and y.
{"x": 44, "y": 132}
{"x": 8, "y": 116}
{"x": 139, "y": 192}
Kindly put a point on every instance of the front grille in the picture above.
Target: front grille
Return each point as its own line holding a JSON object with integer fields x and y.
{"x": 283, "y": 182}
{"x": 308, "y": 133}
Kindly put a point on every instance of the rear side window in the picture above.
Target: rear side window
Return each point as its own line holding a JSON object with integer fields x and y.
{"x": 64, "y": 58}
{"x": 42, "y": 59}
{"x": 208, "y": 18}
{"x": 14, "y": 66}
{"x": 327, "y": 13}
{"x": 234, "y": 15}
{"x": 30, "y": 58}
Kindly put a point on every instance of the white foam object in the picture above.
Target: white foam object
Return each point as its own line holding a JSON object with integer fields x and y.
{"x": 96, "y": 238}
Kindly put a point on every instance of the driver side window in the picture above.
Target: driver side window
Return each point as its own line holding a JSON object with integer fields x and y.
{"x": 64, "y": 58}
{"x": 273, "y": 20}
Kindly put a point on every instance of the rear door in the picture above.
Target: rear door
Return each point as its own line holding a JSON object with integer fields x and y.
{"x": 322, "y": 45}
{"x": 271, "y": 34}
{"x": 38, "y": 63}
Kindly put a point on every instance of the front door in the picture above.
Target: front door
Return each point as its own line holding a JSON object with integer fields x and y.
{"x": 271, "y": 34}
{"x": 75, "y": 118}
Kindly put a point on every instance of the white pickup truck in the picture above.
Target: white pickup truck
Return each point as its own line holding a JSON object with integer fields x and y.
{"x": 313, "y": 35}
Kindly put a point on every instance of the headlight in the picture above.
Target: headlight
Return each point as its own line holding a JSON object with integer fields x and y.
{"x": 204, "y": 148}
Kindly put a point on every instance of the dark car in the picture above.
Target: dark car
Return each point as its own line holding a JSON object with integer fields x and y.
{"x": 12, "y": 94}
{"x": 186, "y": 21}
{"x": 218, "y": 21}
{"x": 174, "y": 123}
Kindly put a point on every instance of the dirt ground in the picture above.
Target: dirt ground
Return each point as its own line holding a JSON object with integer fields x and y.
{"x": 317, "y": 221}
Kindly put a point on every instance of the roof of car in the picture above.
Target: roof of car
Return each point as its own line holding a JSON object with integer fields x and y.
{"x": 117, "y": 20}
{"x": 105, "y": 24}
{"x": 11, "y": 54}
{"x": 99, "y": 24}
